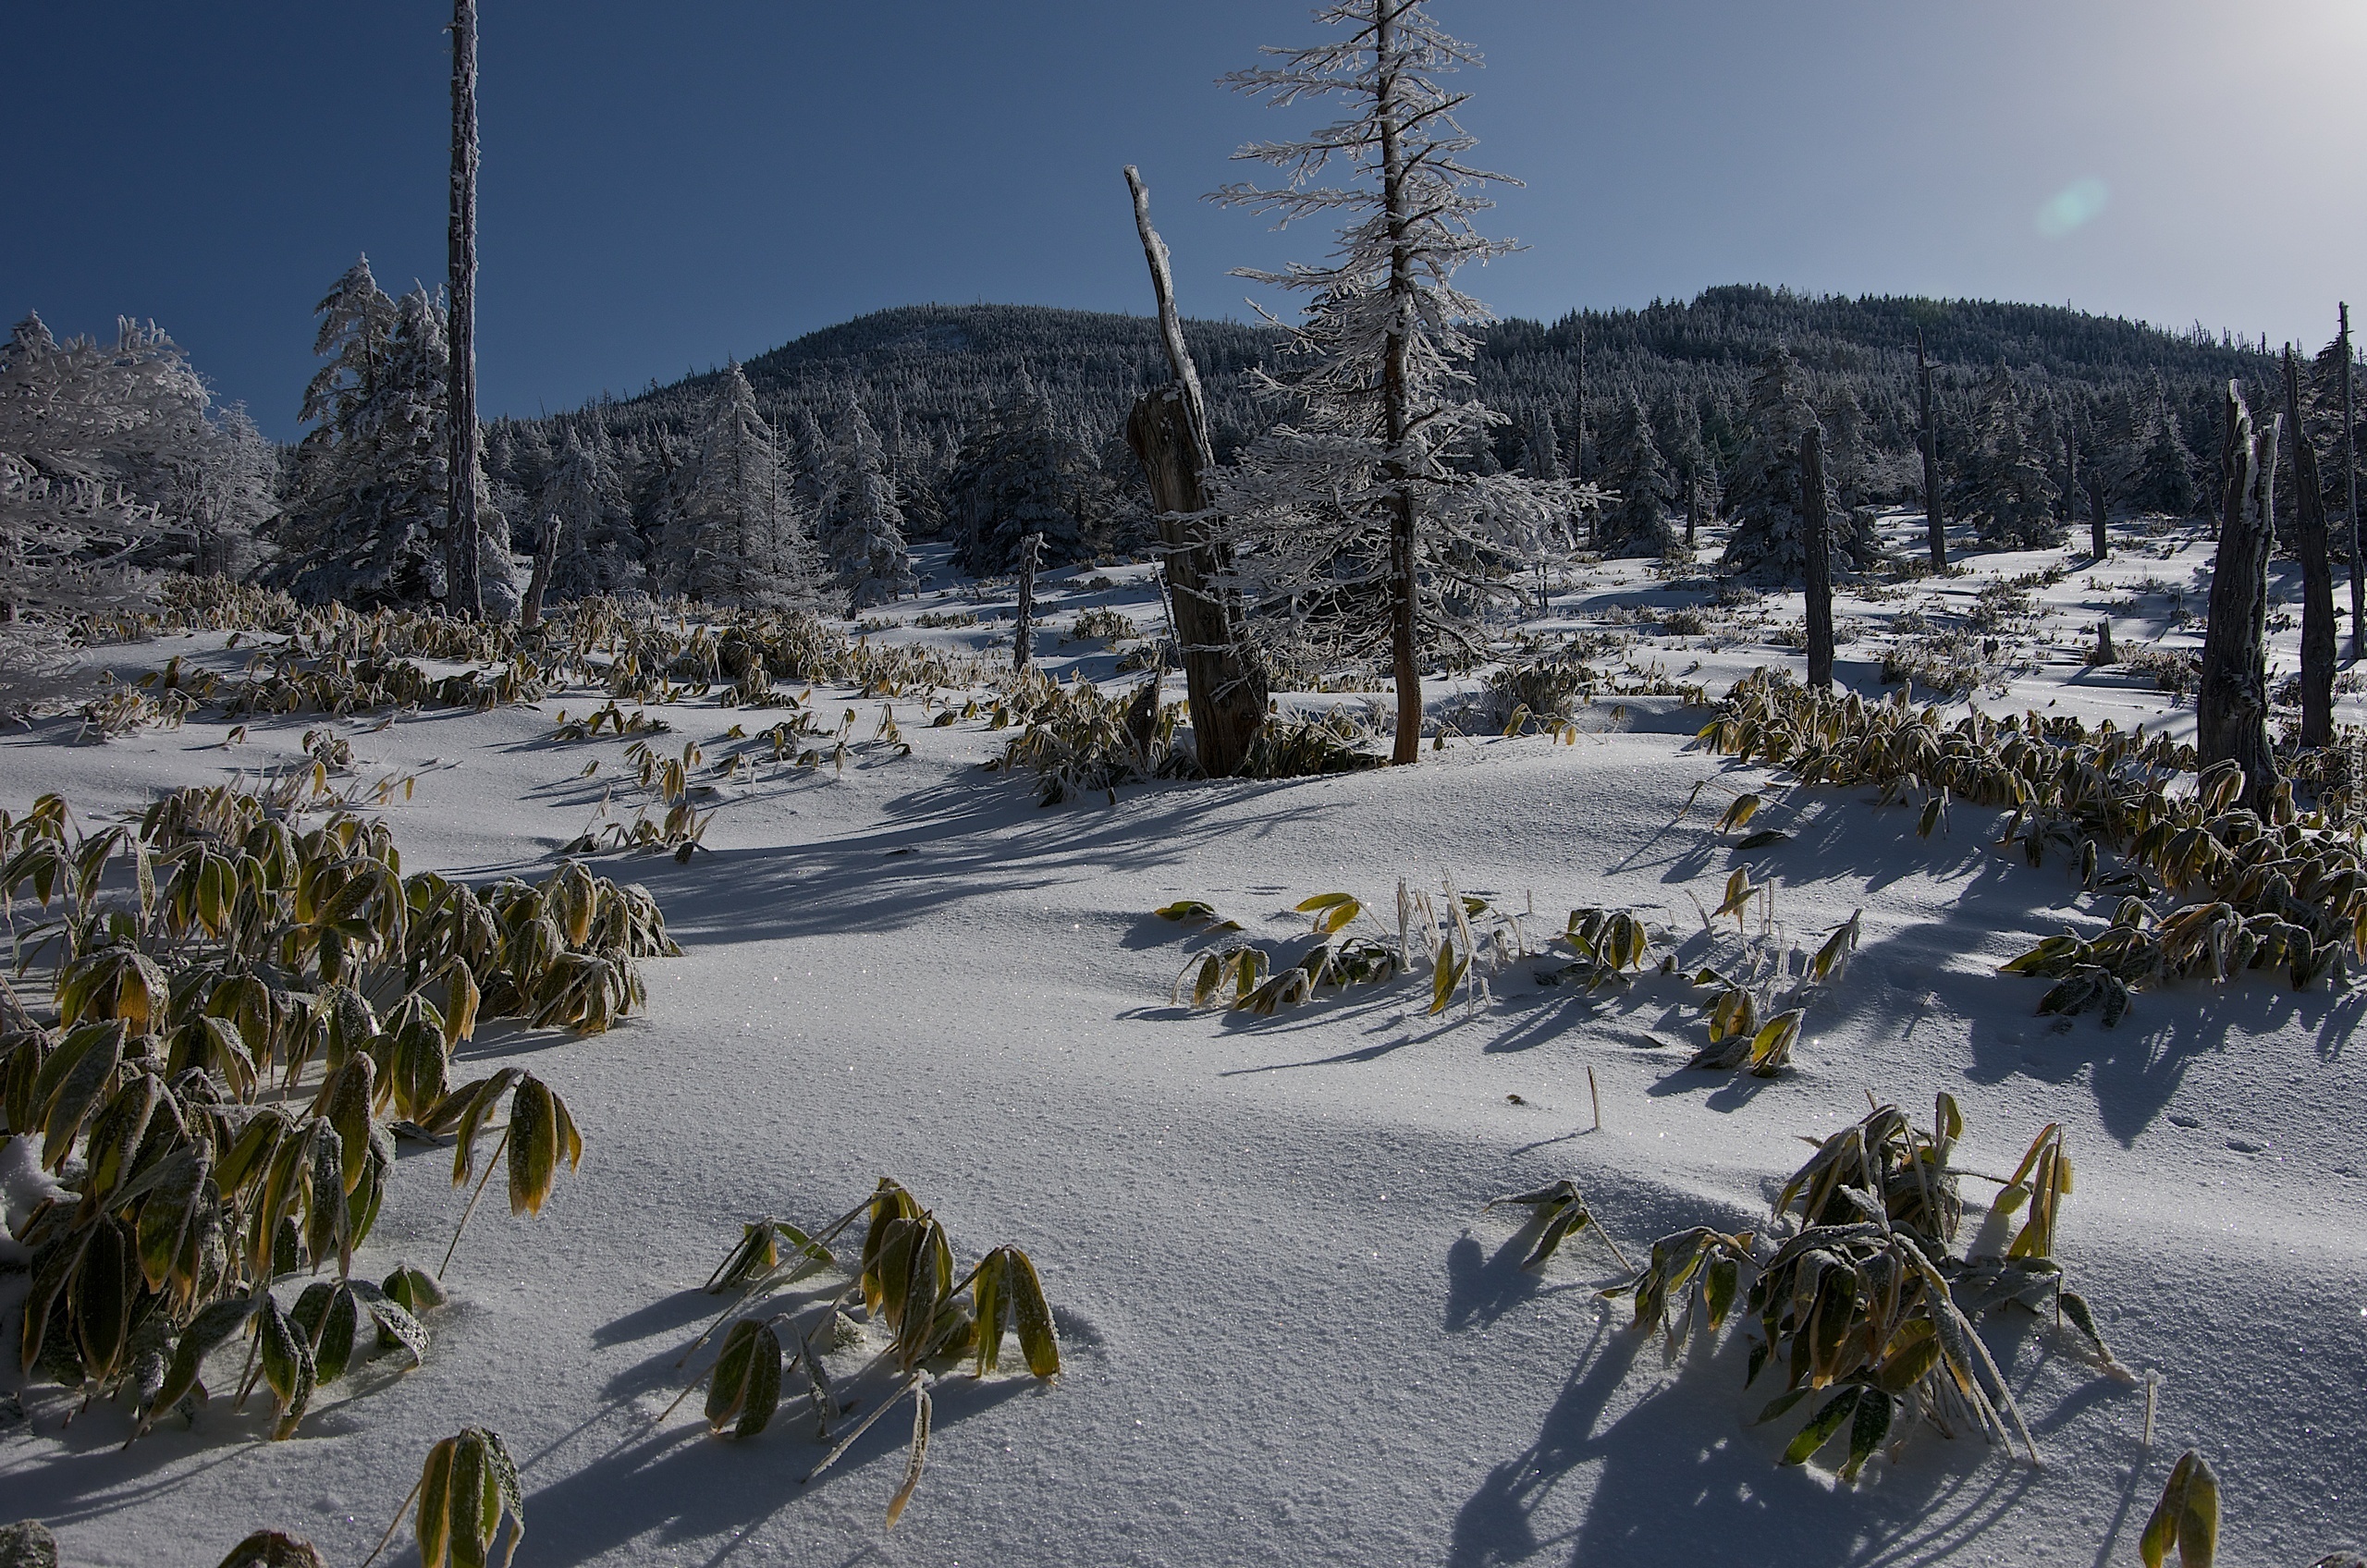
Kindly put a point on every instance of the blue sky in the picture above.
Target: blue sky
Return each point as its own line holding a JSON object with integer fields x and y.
{"x": 668, "y": 185}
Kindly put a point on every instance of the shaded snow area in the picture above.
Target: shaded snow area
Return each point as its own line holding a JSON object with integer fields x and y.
{"x": 1293, "y": 1333}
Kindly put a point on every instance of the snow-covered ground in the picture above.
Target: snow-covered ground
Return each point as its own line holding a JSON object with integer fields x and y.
{"x": 1291, "y": 1334}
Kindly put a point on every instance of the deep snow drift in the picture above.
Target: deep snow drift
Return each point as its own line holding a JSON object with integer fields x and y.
{"x": 1291, "y": 1334}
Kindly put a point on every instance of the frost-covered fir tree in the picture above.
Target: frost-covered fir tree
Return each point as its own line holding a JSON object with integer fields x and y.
{"x": 867, "y": 552}
{"x": 1353, "y": 527}
{"x": 1768, "y": 543}
{"x": 2164, "y": 481}
{"x": 1635, "y": 521}
{"x": 2005, "y": 489}
{"x": 366, "y": 526}
{"x": 585, "y": 499}
{"x": 1017, "y": 474}
{"x": 735, "y": 535}
{"x": 1844, "y": 419}
{"x": 112, "y": 456}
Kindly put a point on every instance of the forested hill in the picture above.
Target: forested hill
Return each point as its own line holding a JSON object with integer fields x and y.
{"x": 937, "y": 368}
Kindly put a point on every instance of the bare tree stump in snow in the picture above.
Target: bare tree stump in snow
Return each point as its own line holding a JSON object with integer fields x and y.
{"x": 2317, "y": 573}
{"x": 2232, "y": 702}
{"x": 1223, "y": 683}
{"x": 1818, "y": 543}
{"x": 530, "y": 613}
{"x": 1020, "y": 642}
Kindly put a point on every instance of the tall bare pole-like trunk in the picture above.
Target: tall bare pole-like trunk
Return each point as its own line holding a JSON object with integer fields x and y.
{"x": 530, "y": 611}
{"x": 1936, "y": 526}
{"x": 2231, "y": 703}
{"x": 1224, "y": 684}
{"x": 2317, "y": 573}
{"x": 1816, "y": 527}
{"x": 1396, "y": 394}
{"x": 2350, "y": 500}
{"x": 2071, "y": 465}
{"x": 466, "y": 591}
{"x": 2098, "y": 540}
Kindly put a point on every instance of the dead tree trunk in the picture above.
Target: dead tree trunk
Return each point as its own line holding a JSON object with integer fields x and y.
{"x": 1022, "y": 638}
{"x": 2231, "y": 718}
{"x": 2317, "y": 573}
{"x": 1813, "y": 524}
{"x": 465, "y": 588}
{"x": 2097, "y": 539}
{"x": 1692, "y": 509}
{"x": 2350, "y": 500}
{"x": 2071, "y": 472}
{"x": 1936, "y": 526}
{"x": 1224, "y": 685}
{"x": 530, "y": 613}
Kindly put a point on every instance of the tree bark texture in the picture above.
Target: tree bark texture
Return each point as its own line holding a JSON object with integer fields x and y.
{"x": 1022, "y": 638}
{"x": 1225, "y": 691}
{"x": 465, "y": 590}
{"x": 1396, "y": 394}
{"x": 1224, "y": 685}
{"x": 1935, "y": 525}
{"x": 2098, "y": 540}
{"x": 1816, "y": 527}
{"x": 2231, "y": 704}
{"x": 2317, "y": 573}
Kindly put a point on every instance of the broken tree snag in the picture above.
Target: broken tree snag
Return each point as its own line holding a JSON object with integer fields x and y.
{"x": 1020, "y": 640}
{"x": 2317, "y": 573}
{"x": 1818, "y": 538}
{"x": 1936, "y": 526}
{"x": 2231, "y": 706}
{"x": 1224, "y": 685}
{"x": 530, "y": 613}
{"x": 2096, "y": 511}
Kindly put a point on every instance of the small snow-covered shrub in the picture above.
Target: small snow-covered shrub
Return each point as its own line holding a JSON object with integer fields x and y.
{"x": 1103, "y": 625}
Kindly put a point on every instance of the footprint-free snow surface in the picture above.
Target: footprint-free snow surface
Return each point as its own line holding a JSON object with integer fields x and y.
{"x": 1292, "y": 1334}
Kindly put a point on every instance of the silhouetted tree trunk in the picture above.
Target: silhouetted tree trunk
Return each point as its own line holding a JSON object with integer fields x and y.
{"x": 2098, "y": 540}
{"x": 1936, "y": 526}
{"x": 2317, "y": 573}
{"x": 2232, "y": 702}
{"x": 1692, "y": 509}
{"x": 2350, "y": 499}
{"x": 1813, "y": 523}
{"x": 1022, "y": 638}
{"x": 466, "y": 590}
{"x": 1224, "y": 685}
{"x": 2071, "y": 471}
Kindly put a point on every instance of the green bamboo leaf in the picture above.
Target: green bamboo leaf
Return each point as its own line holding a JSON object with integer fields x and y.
{"x": 744, "y": 1389}
{"x": 287, "y": 1367}
{"x": 1822, "y": 1426}
{"x": 1032, "y": 1316}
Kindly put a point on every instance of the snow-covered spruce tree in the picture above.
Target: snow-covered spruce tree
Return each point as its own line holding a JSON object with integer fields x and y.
{"x": 1768, "y": 543}
{"x": 867, "y": 552}
{"x": 1844, "y": 419}
{"x": 808, "y": 456}
{"x": 366, "y": 523}
{"x": 2004, "y": 490}
{"x": 585, "y": 499}
{"x": 735, "y": 535}
{"x": 114, "y": 458}
{"x": 1636, "y": 523}
{"x": 1017, "y": 474}
{"x": 1353, "y": 528}
{"x": 2164, "y": 481}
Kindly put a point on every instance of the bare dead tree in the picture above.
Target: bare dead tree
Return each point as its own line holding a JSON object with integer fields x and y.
{"x": 2317, "y": 574}
{"x": 2350, "y": 500}
{"x": 1224, "y": 685}
{"x": 1815, "y": 525}
{"x": 1936, "y": 526}
{"x": 2231, "y": 703}
{"x": 462, "y": 530}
